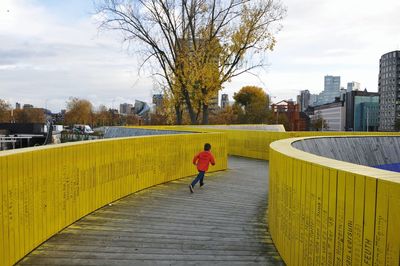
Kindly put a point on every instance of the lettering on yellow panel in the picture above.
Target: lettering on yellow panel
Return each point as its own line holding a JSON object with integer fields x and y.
{"x": 349, "y": 220}
{"x": 381, "y": 223}
{"x": 358, "y": 218}
{"x": 369, "y": 220}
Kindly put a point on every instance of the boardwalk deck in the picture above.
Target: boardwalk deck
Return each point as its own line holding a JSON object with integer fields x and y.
{"x": 222, "y": 223}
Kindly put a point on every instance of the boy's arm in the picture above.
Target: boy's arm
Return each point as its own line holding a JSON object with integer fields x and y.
{"x": 195, "y": 158}
{"x": 212, "y": 160}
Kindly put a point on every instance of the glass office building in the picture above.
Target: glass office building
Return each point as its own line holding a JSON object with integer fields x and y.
{"x": 362, "y": 111}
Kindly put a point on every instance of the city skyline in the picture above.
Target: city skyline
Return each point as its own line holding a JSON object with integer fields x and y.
{"x": 51, "y": 52}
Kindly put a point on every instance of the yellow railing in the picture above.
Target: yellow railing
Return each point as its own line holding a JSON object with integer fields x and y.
{"x": 43, "y": 190}
{"x": 328, "y": 212}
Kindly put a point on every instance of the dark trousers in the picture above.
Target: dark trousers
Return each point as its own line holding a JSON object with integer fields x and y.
{"x": 199, "y": 177}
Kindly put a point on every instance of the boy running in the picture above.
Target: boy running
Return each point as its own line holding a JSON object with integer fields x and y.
{"x": 202, "y": 160}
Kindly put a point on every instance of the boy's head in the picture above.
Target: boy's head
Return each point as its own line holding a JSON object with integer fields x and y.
{"x": 207, "y": 147}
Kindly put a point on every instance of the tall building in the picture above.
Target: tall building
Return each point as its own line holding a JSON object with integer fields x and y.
{"x": 362, "y": 111}
{"x": 303, "y": 100}
{"x": 389, "y": 89}
{"x": 213, "y": 103}
{"x": 224, "y": 100}
{"x": 332, "y": 83}
{"x": 331, "y": 90}
{"x": 125, "y": 108}
{"x": 313, "y": 99}
{"x": 353, "y": 86}
{"x": 17, "y": 106}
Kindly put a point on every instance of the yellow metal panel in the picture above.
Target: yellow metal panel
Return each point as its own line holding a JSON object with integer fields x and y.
{"x": 381, "y": 218}
{"x": 13, "y": 207}
{"x": 312, "y": 222}
{"x": 289, "y": 210}
{"x": 28, "y": 202}
{"x": 21, "y": 189}
{"x": 349, "y": 220}
{"x": 340, "y": 217}
{"x": 330, "y": 244}
{"x": 302, "y": 221}
{"x": 307, "y": 243}
{"x": 324, "y": 215}
{"x": 369, "y": 221}
{"x": 296, "y": 211}
{"x": 393, "y": 230}
{"x": 358, "y": 219}
{"x": 317, "y": 171}
{"x": 4, "y": 242}
{"x": 36, "y": 206}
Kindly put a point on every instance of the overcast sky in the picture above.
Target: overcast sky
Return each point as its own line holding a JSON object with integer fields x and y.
{"x": 51, "y": 50}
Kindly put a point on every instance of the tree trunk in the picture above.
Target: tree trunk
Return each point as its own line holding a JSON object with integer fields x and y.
{"x": 189, "y": 106}
{"x": 178, "y": 113}
{"x": 205, "y": 114}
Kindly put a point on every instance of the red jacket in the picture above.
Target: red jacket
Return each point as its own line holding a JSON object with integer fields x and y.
{"x": 203, "y": 159}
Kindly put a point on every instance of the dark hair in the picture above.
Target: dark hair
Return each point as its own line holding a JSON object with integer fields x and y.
{"x": 207, "y": 146}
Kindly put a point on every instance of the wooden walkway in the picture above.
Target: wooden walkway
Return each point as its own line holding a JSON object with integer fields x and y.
{"x": 222, "y": 223}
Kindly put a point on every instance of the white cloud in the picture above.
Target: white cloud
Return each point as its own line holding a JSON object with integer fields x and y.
{"x": 46, "y": 59}
{"x": 48, "y": 55}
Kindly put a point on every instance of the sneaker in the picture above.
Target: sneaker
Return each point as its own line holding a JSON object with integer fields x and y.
{"x": 201, "y": 184}
{"x": 191, "y": 189}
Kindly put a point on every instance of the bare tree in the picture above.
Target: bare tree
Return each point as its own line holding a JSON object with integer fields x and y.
{"x": 196, "y": 45}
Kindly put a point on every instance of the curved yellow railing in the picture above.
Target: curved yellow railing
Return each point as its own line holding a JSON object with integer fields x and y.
{"x": 44, "y": 189}
{"x": 328, "y": 212}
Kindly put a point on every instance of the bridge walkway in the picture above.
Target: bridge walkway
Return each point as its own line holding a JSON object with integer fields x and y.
{"x": 223, "y": 223}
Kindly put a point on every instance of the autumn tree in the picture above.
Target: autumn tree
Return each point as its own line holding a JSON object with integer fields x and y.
{"x": 29, "y": 115}
{"x": 79, "y": 111}
{"x": 225, "y": 116}
{"x": 194, "y": 47}
{"x": 102, "y": 116}
{"x": 5, "y": 112}
{"x": 253, "y": 103}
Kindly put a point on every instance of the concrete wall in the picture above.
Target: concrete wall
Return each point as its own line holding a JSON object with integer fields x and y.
{"x": 118, "y": 132}
{"x": 369, "y": 151}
